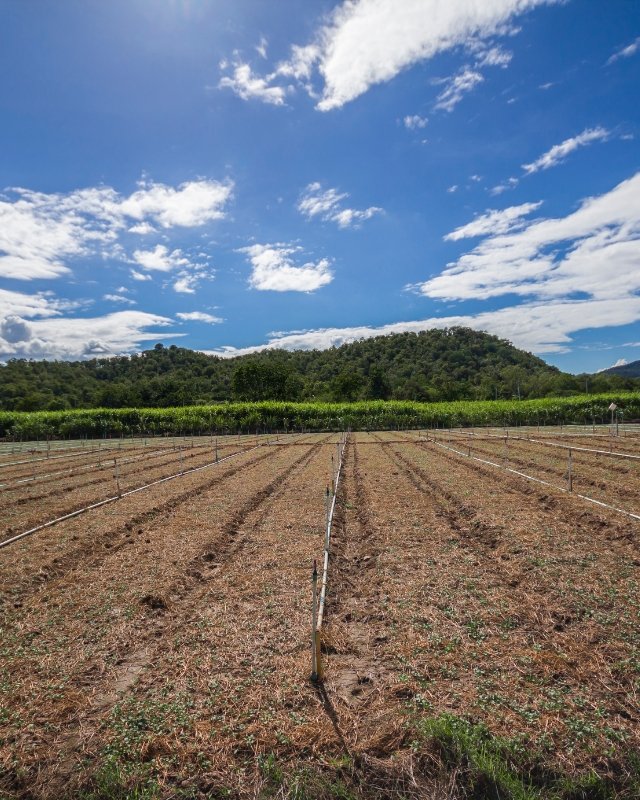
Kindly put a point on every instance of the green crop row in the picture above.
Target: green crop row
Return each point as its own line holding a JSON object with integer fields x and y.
{"x": 283, "y": 416}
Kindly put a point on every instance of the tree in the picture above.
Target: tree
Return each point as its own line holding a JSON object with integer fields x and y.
{"x": 260, "y": 380}
{"x": 346, "y": 386}
{"x": 379, "y": 387}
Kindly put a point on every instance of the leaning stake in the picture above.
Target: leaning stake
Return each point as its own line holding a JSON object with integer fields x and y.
{"x": 314, "y": 623}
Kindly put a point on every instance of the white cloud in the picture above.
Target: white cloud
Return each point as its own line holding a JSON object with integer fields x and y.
{"x": 367, "y": 42}
{"x": 186, "y": 283}
{"x": 119, "y": 298}
{"x": 42, "y": 234}
{"x": 494, "y": 57}
{"x": 626, "y": 52}
{"x": 327, "y": 204}
{"x": 160, "y": 258}
{"x": 559, "y": 152}
{"x": 261, "y": 48}
{"x": 415, "y": 121}
{"x": 510, "y": 183}
{"x": 192, "y": 204}
{"x": 33, "y": 326}
{"x": 249, "y": 86}
{"x": 371, "y": 41}
{"x": 457, "y": 86}
{"x": 273, "y": 269}
{"x": 198, "y": 316}
{"x": 453, "y": 188}
{"x": 593, "y": 252}
{"x": 139, "y": 276}
{"x": 536, "y": 327}
{"x": 493, "y": 222}
{"x": 142, "y": 228}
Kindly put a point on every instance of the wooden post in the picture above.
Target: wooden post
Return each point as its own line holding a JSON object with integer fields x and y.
{"x": 314, "y": 623}
{"x": 181, "y": 462}
{"x": 570, "y": 472}
{"x": 117, "y": 476}
{"x": 506, "y": 452}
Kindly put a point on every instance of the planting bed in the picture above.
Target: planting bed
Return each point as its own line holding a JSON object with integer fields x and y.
{"x": 480, "y": 637}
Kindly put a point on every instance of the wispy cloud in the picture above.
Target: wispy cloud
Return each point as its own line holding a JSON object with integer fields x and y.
{"x": 119, "y": 298}
{"x": 494, "y": 222}
{"x": 456, "y": 87}
{"x": 327, "y": 205}
{"x": 199, "y": 316}
{"x": 559, "y": 152}
{"x": 415, "y": 121}
{"x": 560, "y": 258}
{"x": 367, "y": 42}
{"x": 536, "y": 327}
{"x": 274, "y": 270}
{"x": 625, "y": 52}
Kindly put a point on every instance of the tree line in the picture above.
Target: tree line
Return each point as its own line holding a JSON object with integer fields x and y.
{"x": 431, "y": 366}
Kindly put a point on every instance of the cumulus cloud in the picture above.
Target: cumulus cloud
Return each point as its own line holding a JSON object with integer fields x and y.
{"x": 34, "y": 326}
{"x": 160, "y": 258}
{"x": 593, "y": 252}
{"x": 327, "y": 205}
{"x": 249, "y": 86}
{"x": 14, "y": 329}
{"x": 41, "y": 234}
{"x": 186, "y": 283}
{"x": 367, "y": 42}
{"x": 192, "y": 204}
{"x": 559, "y": 152}
{"x": 198, "y": 316}
{"x": 273, "y": 269}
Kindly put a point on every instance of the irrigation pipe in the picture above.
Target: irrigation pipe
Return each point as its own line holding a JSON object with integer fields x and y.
{"x": 539, "y": 480}
{"x": 327, "y": 540}
{"x": 104, "y": 464}
{"x": 67, "y": 455}
{"x": 118, "y": 497}
{"x": 485, "y": 437}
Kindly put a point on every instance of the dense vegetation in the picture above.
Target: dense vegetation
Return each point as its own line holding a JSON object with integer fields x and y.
{"x": 435, "y": 365}
{"x": 285, "y": 416}
{"x": 631, "y": 370}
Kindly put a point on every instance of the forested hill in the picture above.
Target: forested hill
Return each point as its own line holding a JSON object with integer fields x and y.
{"x": 451, "y": 364}
{"x": 631, "y": 370}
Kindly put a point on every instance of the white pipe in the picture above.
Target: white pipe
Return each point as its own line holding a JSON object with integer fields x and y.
{"x": 124, "y": 494}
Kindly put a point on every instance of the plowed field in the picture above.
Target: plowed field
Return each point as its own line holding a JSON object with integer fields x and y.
{"x": 480, "y": 638}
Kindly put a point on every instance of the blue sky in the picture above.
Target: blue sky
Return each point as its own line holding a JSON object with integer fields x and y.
{"x": 240, "y": 173}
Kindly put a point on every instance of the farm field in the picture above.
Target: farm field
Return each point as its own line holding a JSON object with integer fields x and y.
{"x": 480, "y": 636}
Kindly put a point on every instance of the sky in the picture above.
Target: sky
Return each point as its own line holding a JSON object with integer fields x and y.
{"x": 230, "y": 175}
